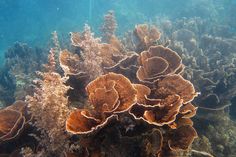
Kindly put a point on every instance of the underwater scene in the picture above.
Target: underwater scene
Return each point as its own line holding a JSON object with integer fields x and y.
{"x": 118, "y": 78}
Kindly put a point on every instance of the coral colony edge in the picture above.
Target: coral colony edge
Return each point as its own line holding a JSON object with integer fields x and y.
{"x": 105, "y": 97}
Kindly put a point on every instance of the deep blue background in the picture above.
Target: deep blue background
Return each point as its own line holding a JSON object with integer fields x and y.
{"x": 32, "y": 21}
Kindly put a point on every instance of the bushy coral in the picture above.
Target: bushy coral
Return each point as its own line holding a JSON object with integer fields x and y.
{"x": 128, "y": 103}
{"x": 109, "y": 27}
{"x": 165, "y": 104}
{"x": 89, "y": 46}
{"x": 49, "y": 107}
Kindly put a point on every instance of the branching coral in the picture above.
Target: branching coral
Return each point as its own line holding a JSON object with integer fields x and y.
{"x": 94, "y": 54}
{"x": 108, "y": 30}
{"x": 109, "y": 27}
{"x": 89, "y": 46}
{"x": 140, "y": 102}
{"x": 89, "y": 60}
{"x": 49, "y": 107}
{"x": 136, "y": 100}
{"x": 70, "y": 63}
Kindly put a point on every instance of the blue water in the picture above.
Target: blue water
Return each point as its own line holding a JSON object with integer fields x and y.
{"x": 32, "y": 21}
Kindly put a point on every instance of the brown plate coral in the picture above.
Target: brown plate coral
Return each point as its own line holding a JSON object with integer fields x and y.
{"x": 13, "y": 119}
{"x": 107, "y": 100}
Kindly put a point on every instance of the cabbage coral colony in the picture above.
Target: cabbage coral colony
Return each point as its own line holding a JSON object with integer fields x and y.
{"x": 210, "y": 66}
{"x": 114, "y": 100}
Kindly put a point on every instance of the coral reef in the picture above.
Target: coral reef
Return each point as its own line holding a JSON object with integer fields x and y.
{"x": 217, "y": 134}
{"x": 109, "y": 27}
{"x": 89, "y": 46}
{"x": 112, "y": 94}
{"x": 210, "y": 65}
{"x": 14, "y": 124}
{"x": 209, "y": 61}
{"x": 142, "y": 38}
{"x": 108, "y": 100}
{"x": 19, "y": 72}
{"x": 150, "y": 92}
{"x": 168, "y": 63}
{"x": 162, "y": 106}
{"x": 107, "y": 94}
{"x": 49, "y": 107}
{"x": 13, "y": 120}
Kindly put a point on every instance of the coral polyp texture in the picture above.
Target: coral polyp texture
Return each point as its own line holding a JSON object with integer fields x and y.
{"x": 106, "y": 99}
